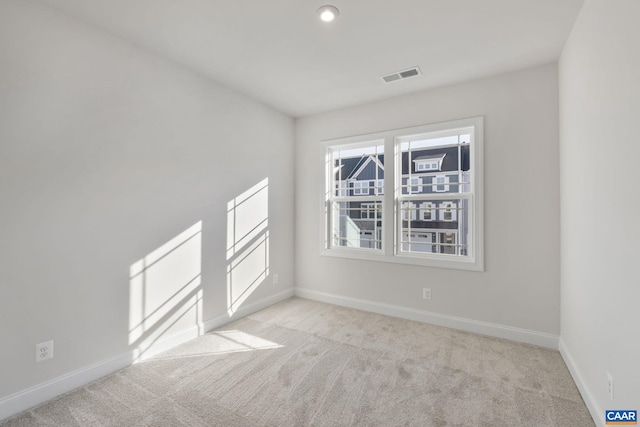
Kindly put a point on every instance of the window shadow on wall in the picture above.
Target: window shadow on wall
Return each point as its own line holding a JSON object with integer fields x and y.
{"x": 165, "y": 293}
{"x": 247, "y": 244}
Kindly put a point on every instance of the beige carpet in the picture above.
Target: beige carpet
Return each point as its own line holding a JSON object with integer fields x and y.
{"x": 304, "y": 363}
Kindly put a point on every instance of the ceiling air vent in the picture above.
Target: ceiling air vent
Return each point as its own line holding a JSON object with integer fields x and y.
{"x": 401, "y": 75}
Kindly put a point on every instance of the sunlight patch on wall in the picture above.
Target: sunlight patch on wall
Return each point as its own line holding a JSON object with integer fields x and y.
{"x": 247, "y": 244}
{"x": 165, "y": 292}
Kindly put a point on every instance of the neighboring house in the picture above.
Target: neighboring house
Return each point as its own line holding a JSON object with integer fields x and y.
{"x": 362, "y": 176}
{"x": 429, "y": 225}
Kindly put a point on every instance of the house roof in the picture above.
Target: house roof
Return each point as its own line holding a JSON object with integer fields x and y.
{"x": 351, "y": 167}
{"x": 449, "y": 157}
{"x": 430, "y": 157}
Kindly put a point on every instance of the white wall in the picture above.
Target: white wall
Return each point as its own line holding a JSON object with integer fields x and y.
{"x": 520, "y": 287}
{"x": 599, "y": 152}
{"x": 106, "y": 153}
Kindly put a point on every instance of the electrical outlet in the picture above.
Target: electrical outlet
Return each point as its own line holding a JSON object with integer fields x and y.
{"x": 610, "y": 383}
{"x": 44, "y": 351}
{"x": 426, "y": 293}
{"x": 275, "y": 278}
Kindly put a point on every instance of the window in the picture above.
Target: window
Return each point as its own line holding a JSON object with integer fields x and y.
{"x": 354, "y": 220}
{"x": 427, "y": 211}
{"x": 439, "y": 184}
{"x": 361, "y": 188}
{"x": 429, "y": 163}
{"x": 448, "y": 243}
{"x": 415, "y": 185}
{"x": 427, "y": 166}
{"x": 448, "y": 211}
{"x": 408, "y": 211}
{"x": 370, "y": 210}
{"x": 451, "y": 193}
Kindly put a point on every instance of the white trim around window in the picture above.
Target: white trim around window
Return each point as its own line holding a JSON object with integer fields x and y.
{"x": 456, "y": 206}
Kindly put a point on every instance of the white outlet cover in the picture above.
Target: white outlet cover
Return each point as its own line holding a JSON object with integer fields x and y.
{"x": 44, "y": 351}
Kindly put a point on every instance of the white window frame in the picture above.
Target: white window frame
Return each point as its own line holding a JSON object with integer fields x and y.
{"x": 330, "y": 199}
{"x": 390, "y": 199}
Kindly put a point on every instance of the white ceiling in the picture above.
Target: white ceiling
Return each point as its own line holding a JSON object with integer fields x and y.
{"x": 278, "y": 52}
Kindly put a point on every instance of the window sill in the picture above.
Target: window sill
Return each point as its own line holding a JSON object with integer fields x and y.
{"x": 407, "y": 259}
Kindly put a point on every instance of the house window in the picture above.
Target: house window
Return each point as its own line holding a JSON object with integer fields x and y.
{"x": 427, "y": 166}
{"x": 414, "y": 184}
{"x": 429, "y": 163}
{"x": 361, "y": 188}
{"x": 448, "y": 211}
{"x": 440, "y": 184}
{"x": 408, "y": 211}
{"x": 427, "y": 211}
{"x": 448, "y": 243}
{"x": 371, "y": 211}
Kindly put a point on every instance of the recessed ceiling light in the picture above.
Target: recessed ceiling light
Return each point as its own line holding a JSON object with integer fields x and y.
{"x": 328, "y": 13}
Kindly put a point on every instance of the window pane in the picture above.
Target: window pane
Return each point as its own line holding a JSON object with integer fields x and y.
{"x": 451, "y": 167}
{"x": 434, "y": 142}
{"x": 435, "y": 226}
{"x": 355, "y": 171}
{"x": 357, "y": 225}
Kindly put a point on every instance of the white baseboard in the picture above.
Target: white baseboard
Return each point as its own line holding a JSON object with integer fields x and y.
{"x": 597, "y": 413}
{"x": 248, "y": 309}
{"x": 47, "y": 390}
{"x": 492, "y": 329}
{"x": 166, "y": 342}
{"x": 40, "y": 393}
